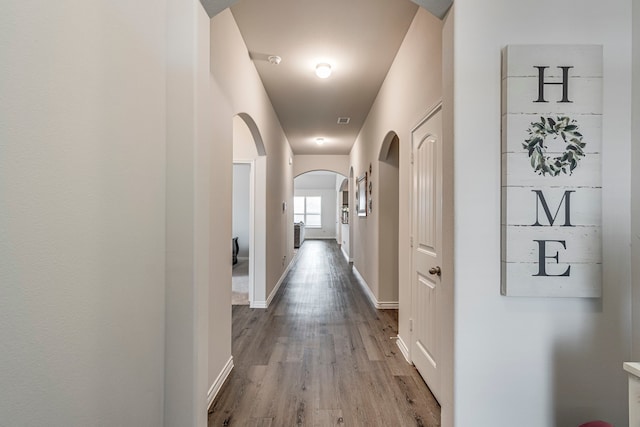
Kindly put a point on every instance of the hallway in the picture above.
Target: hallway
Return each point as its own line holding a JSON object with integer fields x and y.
{"x": 320, "y": 356}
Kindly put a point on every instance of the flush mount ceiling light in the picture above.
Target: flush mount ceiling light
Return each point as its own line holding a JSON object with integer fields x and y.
{"x": 323, "y": 70}
{"x": 320, "y": 141}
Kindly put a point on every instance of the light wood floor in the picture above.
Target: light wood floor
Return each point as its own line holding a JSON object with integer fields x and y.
{"x": 320, "y": 355}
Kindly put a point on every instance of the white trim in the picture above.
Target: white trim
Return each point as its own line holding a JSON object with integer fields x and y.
{"x": 403, "y": 349}
{"x": 265, "y": 304}
{"x": 219, "y": 382}
{"x": 252, "y": 227}
{"x": 380, "y": 305}
{"x": 319, "y": 238}
{"x": 388, "y": 305}
{"x": 346, "y": 256}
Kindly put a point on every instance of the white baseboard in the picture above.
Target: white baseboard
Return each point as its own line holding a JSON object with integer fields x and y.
{"x": 388, "y": 305}
{"x": 346, "y": 256}
{"x": 258, "y": 304}
{"x": 403, "y": 349}
{"x": 219, "y": 382}
{"x": 265, "y": 304}
{"x": 380, "y": 305}
{"x": 321, "y": 238}
{"x": 282, "y": 277}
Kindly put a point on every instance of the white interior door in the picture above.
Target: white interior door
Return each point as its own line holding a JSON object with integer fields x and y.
{"x": 426, "y": 241}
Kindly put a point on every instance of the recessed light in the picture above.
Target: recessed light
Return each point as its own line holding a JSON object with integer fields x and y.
{"x": 323, "y": 70}
{"x": 320, "y": 141}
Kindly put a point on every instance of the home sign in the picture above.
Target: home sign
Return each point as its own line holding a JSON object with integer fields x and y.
{"x": 551, "y": 171}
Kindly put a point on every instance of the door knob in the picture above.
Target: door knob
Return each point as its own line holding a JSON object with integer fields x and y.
{"x": 435, "y": 270}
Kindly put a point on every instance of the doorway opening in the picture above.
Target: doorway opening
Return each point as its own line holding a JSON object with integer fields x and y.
{"x": 318, "y": 211}
{"x": 389, "y": 217}
{"x": 248, "y": 213}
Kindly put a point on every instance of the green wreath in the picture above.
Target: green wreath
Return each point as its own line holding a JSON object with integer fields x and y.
{"x": 566, "y": 162}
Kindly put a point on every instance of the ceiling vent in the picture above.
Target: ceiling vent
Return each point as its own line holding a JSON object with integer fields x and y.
{"x": 344, "y": 120}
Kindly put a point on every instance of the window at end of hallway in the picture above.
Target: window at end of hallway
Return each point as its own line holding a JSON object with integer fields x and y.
{"x": 308, "y": 210}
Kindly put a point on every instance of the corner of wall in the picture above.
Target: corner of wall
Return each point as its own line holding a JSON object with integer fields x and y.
{"x": 635, "y": 182}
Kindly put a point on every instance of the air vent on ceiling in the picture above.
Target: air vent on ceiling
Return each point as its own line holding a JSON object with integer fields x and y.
{"x": 344, "y": 120}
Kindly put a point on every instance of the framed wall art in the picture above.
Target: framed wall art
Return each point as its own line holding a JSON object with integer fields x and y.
{"x": 551, "y": 171}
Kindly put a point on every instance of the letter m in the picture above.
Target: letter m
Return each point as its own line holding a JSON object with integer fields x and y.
{"x": 541, "y": 201}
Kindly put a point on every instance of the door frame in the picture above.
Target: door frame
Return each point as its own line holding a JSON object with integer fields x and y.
{"x": 252, "y": 227}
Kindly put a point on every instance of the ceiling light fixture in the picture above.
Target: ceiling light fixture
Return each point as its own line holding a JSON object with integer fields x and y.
{"x": 319, "y": 141}
{"x": 323, "y": 70}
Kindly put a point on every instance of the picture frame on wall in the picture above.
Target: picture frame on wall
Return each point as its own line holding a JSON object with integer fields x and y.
{"x": 361, "y": 195}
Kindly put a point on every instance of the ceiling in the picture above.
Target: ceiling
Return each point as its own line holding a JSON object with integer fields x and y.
{"x": 359, "y": 38}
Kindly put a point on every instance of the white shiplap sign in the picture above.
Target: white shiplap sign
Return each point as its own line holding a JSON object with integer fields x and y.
{"x": 551, "y": 170}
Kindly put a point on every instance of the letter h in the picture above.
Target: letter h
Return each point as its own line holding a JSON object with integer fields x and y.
{"x": 564, "y": 83}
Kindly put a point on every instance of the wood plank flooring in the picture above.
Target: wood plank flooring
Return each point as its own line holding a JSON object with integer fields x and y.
{"x": 320, "y": 355}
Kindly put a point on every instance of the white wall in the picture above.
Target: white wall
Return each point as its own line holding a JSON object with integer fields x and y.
{"x": 536, "y": 361}
{"x": 82, "y": 222}
{"x": 188, "y": 260}
{"x": 635, "y": 182}
{"x": 241, "y": 207}
{"x": 237, "y": 88}
{"x": 242, "y": 92}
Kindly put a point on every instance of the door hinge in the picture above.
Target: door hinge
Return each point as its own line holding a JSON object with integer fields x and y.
{"x": 411, "y": 158}
{"x": 411, "y": 241}
{"x": 410, "y": 325}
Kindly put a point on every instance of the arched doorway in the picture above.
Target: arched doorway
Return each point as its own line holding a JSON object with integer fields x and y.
{"x": 318, "y": 206}
{"x": 388, "y": 217}
{"x": 249, "y": 223}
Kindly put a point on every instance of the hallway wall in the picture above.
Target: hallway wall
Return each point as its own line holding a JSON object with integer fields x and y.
{"x": 82, "y": 222}
{"x": 411, "y": 88}
{"x": 306, "y": 163}
{"x": 238, "y": 89}
{"x": 546, "y": 361}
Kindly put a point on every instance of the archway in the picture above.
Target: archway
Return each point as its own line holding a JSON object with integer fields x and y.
{"x": 438, "y": 8}
{"x": 249, "y": 219}
{"x": 318, "y": 204}
{"x": 388, "y": 217}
